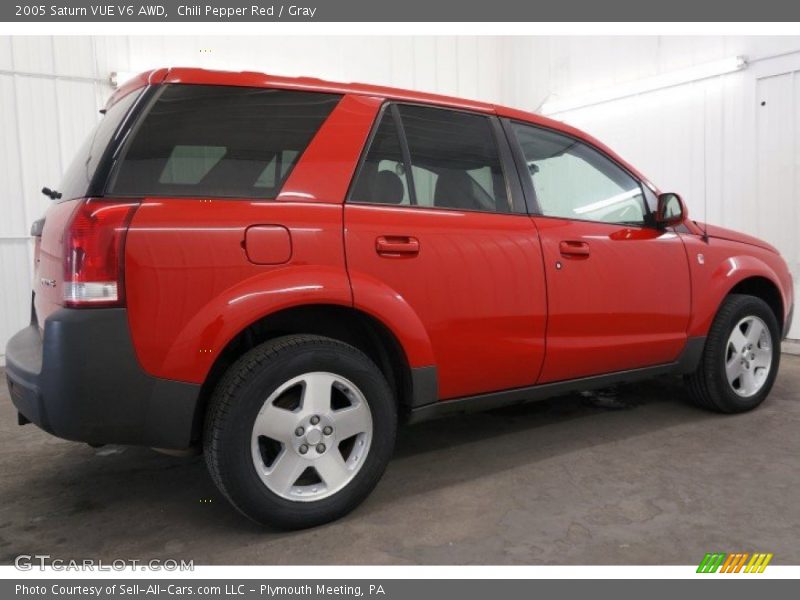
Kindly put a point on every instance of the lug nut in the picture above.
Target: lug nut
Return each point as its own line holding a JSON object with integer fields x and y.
{"x": 299, "y": 431}
{"x": 303, "y": 449}
{"x": 320, "y": 448}
{"x": 314, "y": 420}
{"x": 327, "y": 430}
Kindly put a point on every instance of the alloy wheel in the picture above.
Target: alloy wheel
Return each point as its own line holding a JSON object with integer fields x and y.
{"x": 311, "y": 436}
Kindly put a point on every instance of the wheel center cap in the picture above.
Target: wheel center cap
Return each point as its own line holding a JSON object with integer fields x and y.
{"x": 314, "y": 436}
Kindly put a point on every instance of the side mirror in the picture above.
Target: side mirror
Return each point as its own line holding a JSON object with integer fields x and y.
{"x": 671, "y": 210}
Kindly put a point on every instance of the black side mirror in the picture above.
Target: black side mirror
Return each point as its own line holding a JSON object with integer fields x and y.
{"x": 671, "y": 210}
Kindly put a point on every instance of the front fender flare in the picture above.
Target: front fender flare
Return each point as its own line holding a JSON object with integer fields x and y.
{"x": 727, "y": 274}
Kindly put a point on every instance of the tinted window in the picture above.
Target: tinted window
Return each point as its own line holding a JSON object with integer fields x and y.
{"x": 454, "y": 159}
{"x": 574, "y": 181}
{"x": 382, "y": 178}
{"x": 454, "y": 162}
{"x": 79, "y": 174}
{"x": 220, "y": 141}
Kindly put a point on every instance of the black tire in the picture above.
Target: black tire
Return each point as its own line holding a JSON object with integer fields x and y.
{"x": 708, "y": 386}
{"x": 239, "y": 397}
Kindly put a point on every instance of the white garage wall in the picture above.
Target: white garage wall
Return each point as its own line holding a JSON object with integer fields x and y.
{"x": 735, "y": 162}
{"x": 696, "y": 139}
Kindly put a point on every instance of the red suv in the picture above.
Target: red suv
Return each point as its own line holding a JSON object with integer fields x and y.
{"x": 278, "y": 270}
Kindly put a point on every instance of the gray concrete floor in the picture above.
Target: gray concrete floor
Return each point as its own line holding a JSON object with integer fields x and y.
{"x": 559, "y": 482}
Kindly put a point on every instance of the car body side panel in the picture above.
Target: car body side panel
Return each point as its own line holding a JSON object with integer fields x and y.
{"x": 625, "y": 305}
{"x": 191, "y": 287}
{"x": 476, "y": 284}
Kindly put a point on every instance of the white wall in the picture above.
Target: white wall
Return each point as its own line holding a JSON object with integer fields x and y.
{"x": 698, "y": 139}
{"x": 735, "y": 162}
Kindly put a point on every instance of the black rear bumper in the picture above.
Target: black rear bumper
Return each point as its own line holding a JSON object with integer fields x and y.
{"x": 80, "y": 380}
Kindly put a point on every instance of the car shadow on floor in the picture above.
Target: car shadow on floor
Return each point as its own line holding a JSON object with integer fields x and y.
{"x": 126, "y": 489}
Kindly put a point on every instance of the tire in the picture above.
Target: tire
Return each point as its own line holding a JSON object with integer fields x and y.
{"x": 714, "y": 385}
{"x": 253, "y": 441}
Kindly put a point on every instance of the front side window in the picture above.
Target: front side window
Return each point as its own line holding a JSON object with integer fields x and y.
{"x": 572, "y": 180}
{"x": 453, "y": 162}
{"x": 220, "y": 141}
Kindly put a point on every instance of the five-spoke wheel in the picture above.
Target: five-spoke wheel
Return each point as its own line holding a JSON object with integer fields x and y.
{"x": 299, "y": 431}
{"x": 748, "y": 356}
{"x": 311, "y": 436}
{"x": 740, "y": 358}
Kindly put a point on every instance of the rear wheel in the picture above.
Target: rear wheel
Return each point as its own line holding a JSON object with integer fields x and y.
{"x": 299, "y": 431}
{"x": 741, "y": 357}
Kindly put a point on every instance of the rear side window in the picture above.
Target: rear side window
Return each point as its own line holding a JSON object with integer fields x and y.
{"x": 452, "y": 162}
{"x": 382, "y": 179}
{"x": 219, "y": 141}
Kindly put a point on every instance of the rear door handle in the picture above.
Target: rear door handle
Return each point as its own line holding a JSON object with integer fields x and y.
{"x": 574, "y": 249}
{"x": 397, "y": 246}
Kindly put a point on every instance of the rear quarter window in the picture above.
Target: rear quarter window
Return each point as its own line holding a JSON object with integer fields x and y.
{"x": 219, "y": 141}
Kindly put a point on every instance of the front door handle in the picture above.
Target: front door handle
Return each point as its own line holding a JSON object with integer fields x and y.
{"x": 574, "y": 249}
{"x": 397, "y": 246}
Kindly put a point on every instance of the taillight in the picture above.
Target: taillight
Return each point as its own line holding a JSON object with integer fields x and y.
{"x": 94, "y": 252}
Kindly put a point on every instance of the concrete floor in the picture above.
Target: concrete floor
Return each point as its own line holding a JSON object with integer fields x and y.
{"x": 559, "y": 482}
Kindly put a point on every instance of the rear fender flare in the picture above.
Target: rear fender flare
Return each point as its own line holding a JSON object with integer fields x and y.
{"x": 212, "y": 328}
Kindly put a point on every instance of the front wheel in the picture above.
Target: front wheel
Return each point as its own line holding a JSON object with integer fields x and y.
{"x": 299, "y": 431}
{"x": 741, "y": 357}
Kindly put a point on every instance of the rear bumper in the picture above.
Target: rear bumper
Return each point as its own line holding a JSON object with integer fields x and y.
{"x": 80, "y": 380}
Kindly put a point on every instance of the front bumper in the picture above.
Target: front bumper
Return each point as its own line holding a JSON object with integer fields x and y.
{"x": 80, "y": 380}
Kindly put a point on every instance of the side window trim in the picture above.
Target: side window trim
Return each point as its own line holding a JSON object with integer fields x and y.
{"x": 510, "y": 172}
{"x": 520, "y": 168}
{"x": 527, "y": 184}
{"x": 505, "y": 150}
{"x": 115, "y": 159}
{"x": 407, "y": 165}
{"x": 386, "y": 106}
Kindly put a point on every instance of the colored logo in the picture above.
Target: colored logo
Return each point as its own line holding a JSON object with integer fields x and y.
{"x": 738, "y": 562}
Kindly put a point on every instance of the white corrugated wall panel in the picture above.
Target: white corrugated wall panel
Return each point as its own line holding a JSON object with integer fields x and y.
{"x": 33, "y": 54}
{"x": 12, "y": 207}
{"x": 39, "y": 144}
{"x": 74, "y": 56}
{"x": 6, "y": 62}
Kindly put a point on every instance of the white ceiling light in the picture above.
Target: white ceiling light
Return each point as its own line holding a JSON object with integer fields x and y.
{"x": 117, "y": 78}
{"x": 642, "y": 86}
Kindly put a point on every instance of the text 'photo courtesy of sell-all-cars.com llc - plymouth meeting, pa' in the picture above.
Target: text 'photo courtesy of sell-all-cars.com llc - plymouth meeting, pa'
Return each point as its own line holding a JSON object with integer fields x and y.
{"x": 278, "y": 271}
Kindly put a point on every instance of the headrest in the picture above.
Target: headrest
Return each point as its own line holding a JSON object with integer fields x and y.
{"x": 388, "y": 188}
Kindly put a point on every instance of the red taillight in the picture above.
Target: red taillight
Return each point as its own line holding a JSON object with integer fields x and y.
{"x": 94, "y": 252}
